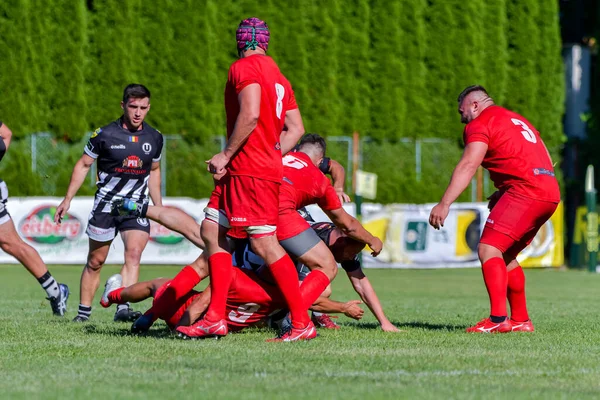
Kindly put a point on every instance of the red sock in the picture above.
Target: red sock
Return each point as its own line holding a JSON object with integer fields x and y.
{"x": 496, "y": 281}
{"x": 284, "y": 272}
{"x": 312, "y": 286}
{"x": 221, "y": 272}
{"x": 516, "y": 295}
{"x": 178, "y": 287}
{"x": 115, "y": 296}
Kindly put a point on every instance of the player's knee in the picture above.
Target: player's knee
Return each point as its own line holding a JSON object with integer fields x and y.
{"x": 133, "y": 255}
{"x": 486, "y": 251}
{"x": 95, "y": 263}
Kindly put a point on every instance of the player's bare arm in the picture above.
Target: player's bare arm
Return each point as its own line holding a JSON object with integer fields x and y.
{"x": 6, "y": 136}
{"x": 350, "y": 308}
{"x": 154, "y": 184}
{"x": 363, "y": 287}
{"x": 461, "y": 178}
{"x": 80, "y": 171}
{"x": 196, "y": 309}
{"x": 247, "y": 119}
{"x": 352, "y": 228}
{"x": 294, "y": 131}
{"x": 338, "y": 177}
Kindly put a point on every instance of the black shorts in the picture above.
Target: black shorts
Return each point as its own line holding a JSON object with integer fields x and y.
{"x": 4, "y": 215}
{"x": 103, "y": 227}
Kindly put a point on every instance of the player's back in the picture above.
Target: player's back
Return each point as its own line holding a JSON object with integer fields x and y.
{"x": 260, "y": 156}
{"x": 304, "y": 184}
{"x": 516, "y": 158}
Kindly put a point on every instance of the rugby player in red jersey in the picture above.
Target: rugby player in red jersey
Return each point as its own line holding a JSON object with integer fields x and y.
{"x": 250, "y": 300}
{"x": 512, "y": 150}
{"x": 259, "y": 103}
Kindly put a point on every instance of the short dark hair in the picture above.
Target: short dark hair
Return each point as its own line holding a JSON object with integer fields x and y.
{"x": 471, "y": 89}
{"x": 136, "y": 91}
{"x": 314, "y": 139}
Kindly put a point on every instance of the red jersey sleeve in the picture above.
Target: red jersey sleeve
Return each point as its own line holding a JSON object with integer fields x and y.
{"x": 329, "y": 200}
{"x": 475, "y": 131}
{"x": 242, "y": 75}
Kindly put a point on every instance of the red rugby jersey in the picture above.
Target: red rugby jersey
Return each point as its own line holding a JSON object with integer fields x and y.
{"x": 260, "y": 155}
{"x": 304, "y": 184}
{"x": 516, "y": 157}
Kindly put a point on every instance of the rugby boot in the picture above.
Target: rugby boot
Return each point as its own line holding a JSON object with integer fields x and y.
{"x": 126, "y": 315}
{"x": 203, "y": 329}
{"x": 487, "y": 326}
{"x": 142, "y": 324}
{"x": 59, "y": 304}
{"x": 526, "y": 326}
{"x": 324, "y": 321}
{"x": 113, "y": 283}
{"x": 293, "y": 335}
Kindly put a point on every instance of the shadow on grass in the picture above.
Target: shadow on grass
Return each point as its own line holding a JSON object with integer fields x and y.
{"x": 411, "y": 324}
{"x": 159, "y": 333}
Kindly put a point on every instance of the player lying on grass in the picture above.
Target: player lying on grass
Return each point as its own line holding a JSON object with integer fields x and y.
{"x": 251, "y": 301}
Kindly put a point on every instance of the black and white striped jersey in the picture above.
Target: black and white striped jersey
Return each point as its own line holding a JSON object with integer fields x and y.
{"x": 124, "y": 161}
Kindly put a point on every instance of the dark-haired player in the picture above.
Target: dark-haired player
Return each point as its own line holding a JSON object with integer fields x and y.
{"x": 11, "y": 243}
{"x": 512, "y": 150}
{"x": 128, "y": 152}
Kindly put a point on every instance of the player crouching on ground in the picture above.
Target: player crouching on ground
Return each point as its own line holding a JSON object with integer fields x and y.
{"x": 11, "y": 243}
{"x": 508, "y": 146}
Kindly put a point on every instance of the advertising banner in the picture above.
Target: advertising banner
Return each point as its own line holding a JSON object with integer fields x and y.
{"x": 409, "y": 241}
{"x": 67, "y": 243}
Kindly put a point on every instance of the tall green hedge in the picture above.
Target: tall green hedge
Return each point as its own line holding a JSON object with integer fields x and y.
{"x": 387, "y": 69}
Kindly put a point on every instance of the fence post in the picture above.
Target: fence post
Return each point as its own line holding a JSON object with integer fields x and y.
{"x": 592, "y": 219}
{"x": 34, "y": 152}
{"x": 418, "y": 159}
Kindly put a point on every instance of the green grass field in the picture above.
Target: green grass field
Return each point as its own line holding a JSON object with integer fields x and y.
{"x": 46, "y": 357}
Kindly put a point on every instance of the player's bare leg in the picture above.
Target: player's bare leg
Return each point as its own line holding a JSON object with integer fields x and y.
{"x": 519, "y": 318}
{"x": 135, "y": 242}
{"x": 11, "y": 243}
{"x": 323, "y": 270}
{"x": 495, "y": 277}
{"x": 90, "y": 278}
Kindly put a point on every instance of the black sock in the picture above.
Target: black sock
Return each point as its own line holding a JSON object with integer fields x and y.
{"x": 49, "y": 284}
{"x": 495, "y": 319}
{"x": 84, "y": 311}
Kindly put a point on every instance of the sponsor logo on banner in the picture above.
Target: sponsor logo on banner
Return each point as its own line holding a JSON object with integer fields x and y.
{"x": 415, "y": 238}
{"x": 162, "y": 235}
{"x": 39, "y": 227}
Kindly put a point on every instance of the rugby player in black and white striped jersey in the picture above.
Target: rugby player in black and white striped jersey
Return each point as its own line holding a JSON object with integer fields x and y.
{"x": 128, "y": 152}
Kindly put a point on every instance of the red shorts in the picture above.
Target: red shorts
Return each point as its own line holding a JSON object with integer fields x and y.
{"x": 250, "y": 300}
{"x": 514, "y": 221}
{"x": 246, "y": 201}
{"x": 173, "y": 314}
{"x": 289, "y": 225}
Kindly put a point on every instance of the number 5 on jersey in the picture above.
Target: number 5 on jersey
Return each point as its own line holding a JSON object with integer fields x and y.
{"x": 527, "y": 132}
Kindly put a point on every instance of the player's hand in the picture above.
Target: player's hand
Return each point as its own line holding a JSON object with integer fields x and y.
{"x": 61, "y": 210}
{"x": 344, "y": 198}
{"x": 389, "y": 327}
{"x": 438, "y": 215}
{"x": 352, "y": 310}
{"x": 376, "y": 245}
{"x": 494, "y": 199}
{"x": 217, "y": 164}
